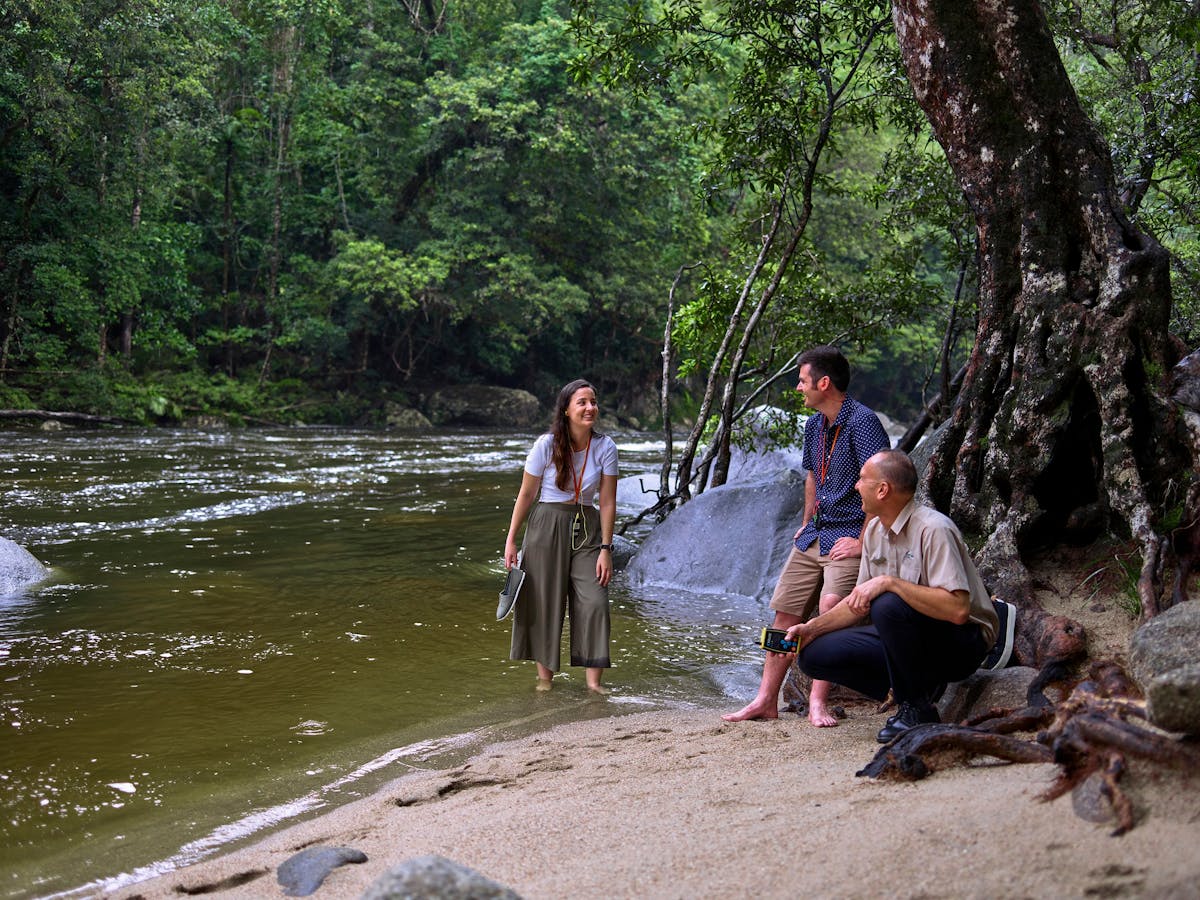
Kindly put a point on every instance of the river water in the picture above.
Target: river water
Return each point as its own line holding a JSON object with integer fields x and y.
{"x": 246, "y": 627}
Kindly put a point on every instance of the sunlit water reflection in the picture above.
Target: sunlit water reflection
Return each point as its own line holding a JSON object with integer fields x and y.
{"x": 244, "y": 627}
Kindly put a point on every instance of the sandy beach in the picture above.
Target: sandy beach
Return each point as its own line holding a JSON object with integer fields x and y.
{"x": 682, "y": 804}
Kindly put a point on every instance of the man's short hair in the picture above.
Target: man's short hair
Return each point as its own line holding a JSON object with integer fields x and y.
{"x": 897, "y": 470}
{"x": 827, "y": 360}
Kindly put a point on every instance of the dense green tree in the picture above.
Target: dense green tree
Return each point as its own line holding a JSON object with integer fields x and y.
{"x": 1063, "y": 428}
{"x": 796, "y": 152}
{"x": 1136, "y": 69}
{"x": 95, "y": 98}
{"x": 492, "y": 219}
{"x": 367, "y": 195}
{"x": 223, "y": 205}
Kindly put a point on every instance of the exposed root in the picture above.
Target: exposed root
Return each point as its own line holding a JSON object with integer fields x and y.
{"x": 1010, "y": 721}
{"x": 925, "y": 749}
{"x": 1088, "y": 735}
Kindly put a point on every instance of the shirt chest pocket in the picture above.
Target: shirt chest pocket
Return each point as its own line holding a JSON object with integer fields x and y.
{"x": 910, "y": 567}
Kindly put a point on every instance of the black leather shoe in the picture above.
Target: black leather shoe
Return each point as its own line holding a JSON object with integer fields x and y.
{"x": 935, "y": 694}
{"x": 909, "y": 716}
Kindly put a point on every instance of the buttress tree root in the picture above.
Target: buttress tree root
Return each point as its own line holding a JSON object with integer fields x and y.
{"x": 1064, "y": 429}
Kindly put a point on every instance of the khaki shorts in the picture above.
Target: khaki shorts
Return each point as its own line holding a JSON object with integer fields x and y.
{"x": 807, "y": 575}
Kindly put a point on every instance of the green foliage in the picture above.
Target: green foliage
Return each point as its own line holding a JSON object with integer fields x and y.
{"x": 877, "y": 269}
{"x": 330, "y": 190}
{"x": 212, "y": 207}
{"x": 1134, "y": 66}
{"x": 14, "y": 398}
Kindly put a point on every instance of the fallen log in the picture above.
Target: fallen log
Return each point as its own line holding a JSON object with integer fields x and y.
{"x": 47, "y": 415}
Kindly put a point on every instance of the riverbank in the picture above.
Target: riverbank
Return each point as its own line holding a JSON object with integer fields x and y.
{"x": 681, "y": 804}
{"x": 678, "y": 803}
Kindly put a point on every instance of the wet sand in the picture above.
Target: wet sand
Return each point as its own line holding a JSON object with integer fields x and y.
{"x": 680, "y": 804}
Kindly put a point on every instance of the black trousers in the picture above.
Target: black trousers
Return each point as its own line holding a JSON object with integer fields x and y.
{"x": 902, "y": 649}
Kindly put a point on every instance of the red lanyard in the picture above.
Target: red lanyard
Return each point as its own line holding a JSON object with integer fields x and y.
{"x": 826, "y": 457}
{"x": 586, "y": 454}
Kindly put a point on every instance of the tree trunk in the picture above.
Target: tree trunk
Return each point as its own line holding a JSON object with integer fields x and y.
{"x": 10, "y": 321}
{"x": 1063, "y": 428}
{"x": 288, "y": 45}
{"x": 129, "y": 317}
{"x": 227, "y": 238}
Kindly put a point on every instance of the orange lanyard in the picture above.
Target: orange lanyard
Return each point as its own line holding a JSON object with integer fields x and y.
{"x": 579, "y": 480}
{"x": 826, "y": 457}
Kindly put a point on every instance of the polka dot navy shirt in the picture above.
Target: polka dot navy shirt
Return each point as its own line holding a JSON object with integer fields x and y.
{"x": 834, "y": 454}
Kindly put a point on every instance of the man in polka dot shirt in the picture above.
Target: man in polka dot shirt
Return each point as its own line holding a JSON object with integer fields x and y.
{"x": 823, "y": 564}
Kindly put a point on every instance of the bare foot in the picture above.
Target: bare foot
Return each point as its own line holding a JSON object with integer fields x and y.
{"x": 753, "y": 710}
{"x": 543, "y": 684}
{"x": 820, "y": 715}
{"x": 598, "y": 689}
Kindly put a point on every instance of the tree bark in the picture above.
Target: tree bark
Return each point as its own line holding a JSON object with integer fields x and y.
{"x": 1063, "y": 427}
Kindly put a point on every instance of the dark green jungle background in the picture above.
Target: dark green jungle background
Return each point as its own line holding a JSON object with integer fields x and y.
{"x": 293, "y": 211}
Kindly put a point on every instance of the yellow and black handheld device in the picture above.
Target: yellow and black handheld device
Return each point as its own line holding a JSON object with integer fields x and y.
{"x": 776, "y": 639}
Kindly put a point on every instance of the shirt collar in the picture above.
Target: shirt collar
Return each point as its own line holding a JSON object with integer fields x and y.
{"x": 903, "y": 516}
{"x": 842, "y": 417}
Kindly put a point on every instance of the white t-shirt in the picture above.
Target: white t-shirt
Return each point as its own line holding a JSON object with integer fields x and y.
{"x": 601, "y": 460}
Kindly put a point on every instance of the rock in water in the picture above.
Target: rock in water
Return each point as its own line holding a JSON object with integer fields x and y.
{"x": 303, "y": 873}
{"x": 729, "y": 540}
{"x": 1185, "y": 381}
{"x": 435, "y": 876}
{"x": 481, "y": 404}
{"x": 18, "y": 568}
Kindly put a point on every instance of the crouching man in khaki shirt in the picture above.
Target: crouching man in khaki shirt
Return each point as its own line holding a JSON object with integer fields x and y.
{"x": 931, "y": 620}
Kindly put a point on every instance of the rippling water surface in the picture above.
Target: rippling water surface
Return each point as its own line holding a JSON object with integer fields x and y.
{"x": 243, "y": 627}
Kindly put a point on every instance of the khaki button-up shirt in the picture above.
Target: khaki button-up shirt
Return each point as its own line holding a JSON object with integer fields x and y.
{"x": 925, "y": 547}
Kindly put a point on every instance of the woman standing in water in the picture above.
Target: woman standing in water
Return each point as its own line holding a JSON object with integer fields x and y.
{"x": 567, "y": 551}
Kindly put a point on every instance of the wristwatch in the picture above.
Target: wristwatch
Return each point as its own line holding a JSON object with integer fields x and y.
{"x": 606, "y": 546}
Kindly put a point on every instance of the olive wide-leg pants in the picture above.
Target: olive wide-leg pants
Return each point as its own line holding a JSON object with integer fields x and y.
{"x": 560, "y": 581}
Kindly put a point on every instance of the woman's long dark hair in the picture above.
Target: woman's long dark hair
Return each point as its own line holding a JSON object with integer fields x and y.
{"x": 562, "y": 434}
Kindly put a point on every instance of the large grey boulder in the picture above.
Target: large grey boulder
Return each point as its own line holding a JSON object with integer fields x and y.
{"x": 780, "y": 434}
{"x": 734, "y": 539}
{"x": 1163, "y": 662}
{"x": 1185, "y": 390}
{"x": 428, "y": 877}
{"x": 730, "y": 540}
{"x": 481, "y": 404}
{"x": 984, "y": 691}
{"x": 752, "y": 466}
{"x": 18, "y": 568}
